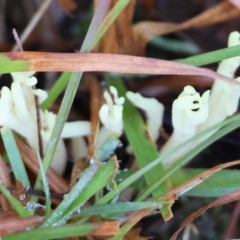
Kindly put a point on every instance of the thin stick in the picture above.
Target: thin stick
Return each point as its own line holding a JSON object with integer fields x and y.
{"x": 94, "y": 106}
{"x": 33, "y": 22}
{"x": 18, "y": 41}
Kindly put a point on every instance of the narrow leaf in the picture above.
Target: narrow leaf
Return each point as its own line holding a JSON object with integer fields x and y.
{"x": 97, "y": 62}
{"x": 14, "y": 156}
{"x": 22, "y": 211}
{"x": 45, "y": 186}
{"x": 119, "y": 207}
{"x": 143, "y": 148}
{"x": 66, "y": 231}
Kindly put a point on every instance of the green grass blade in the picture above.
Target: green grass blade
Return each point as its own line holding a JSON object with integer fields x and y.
{"x": 18, "y": 207}
{"x": 190, "y": 154}
{"x": 217, "y": 185}
{"x": 45, "y": 186}
{"x": 144, "y": 150}
{"x": 110, "y": 18}
{"x": 115, "y": 208}
{"x": 127, "y": 182}
{"x": 101, "y": 179}
{"x": 56, "y": 90}
{"x": 14, "y": 156}
{"x": 88, "y": 187}
{"x": 212, "y": 57}
{"x": 107, "y": 149}
{"x": 87, "y": 46}
{"x": 73, "y": 86}
{"x": 70, "y": 197}
{"x": 7, "y": 65}
{"x": 54, "y": 232}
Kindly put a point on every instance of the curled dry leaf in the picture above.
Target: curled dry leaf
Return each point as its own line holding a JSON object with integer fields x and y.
{"x": 12, "y": 224}
{"x": 233, "y": 196}
{"x": 97, "y": 62}
{"x": 146, "y": 30}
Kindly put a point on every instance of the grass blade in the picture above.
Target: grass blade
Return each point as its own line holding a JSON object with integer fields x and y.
{"x": 119, "y": 207}
{"x": 144, "y": 149}
{"x": 73, "y": 86}
{"x": 192, "y": 153}
{"x": 14, "y": 156}
{"x": 45, "y": 186}
{"x": 212, "y": 57}
{"x": 57, "y": 232}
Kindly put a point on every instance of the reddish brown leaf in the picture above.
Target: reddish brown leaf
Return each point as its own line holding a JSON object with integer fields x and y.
{"x": 231, "y": 197}
{"x": 146, "y": 30}
{"x": 6, "y": 180}
{"x": 181, "y": 188}
{"x": 68, "y": 5}
{"x": 12, "y": 224}
{"x": 20, "y": 190}
{"x": 56, "y": 182}
{"x": 106, "y": 229}
{"x": 78, "y": 168}
{"x": 4, "y": 173}
{"x": 8, "y": 213}
{"x": 94, "y": 108}
{"x": 134, "y": 234}
{"x": 84, "y": 62}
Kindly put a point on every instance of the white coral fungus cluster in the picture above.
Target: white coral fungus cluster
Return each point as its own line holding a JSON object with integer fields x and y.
{"x": 18, "y": 112}
{"x": 192, "y": 113}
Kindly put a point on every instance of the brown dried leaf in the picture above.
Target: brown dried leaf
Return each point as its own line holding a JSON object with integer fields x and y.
{"x": 20, "y": 190}
{"x": 8, "y": 213}
{"x": 6, "y": 180}
{"x": 124, "y": 31}
{"x": 230, "y": 197}
{"x": 146, "y": 30}
{"x": 4, "y": 173}
{"x": 180, "y": 189}
{"x": 134, "y": 234}
{"x": 78, "y": 168}
{"x": 119, "y": 38}
{"x": 94, "y": 108}
{"x": 88, "y": 62}
{"x": 106, "y": 229}
{"x": 12, "y": 224}
{"x": 56, "y": 182}
{"x": 68, "y": 5}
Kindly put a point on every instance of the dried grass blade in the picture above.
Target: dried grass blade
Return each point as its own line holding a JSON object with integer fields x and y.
{"x": 97, "y": 62}
{"x": 233, "y": 196}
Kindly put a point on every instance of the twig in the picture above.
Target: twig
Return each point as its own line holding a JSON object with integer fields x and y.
{"x": 33, "y": 22}
{"x": 94, "y": 116}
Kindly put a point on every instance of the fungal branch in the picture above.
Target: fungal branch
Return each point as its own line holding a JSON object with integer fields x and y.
{"x": 110, "y": 115}
{"x": 192, "y": 113}
{"x": 18, "y": 112}
{"x": 222, "y": 103}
